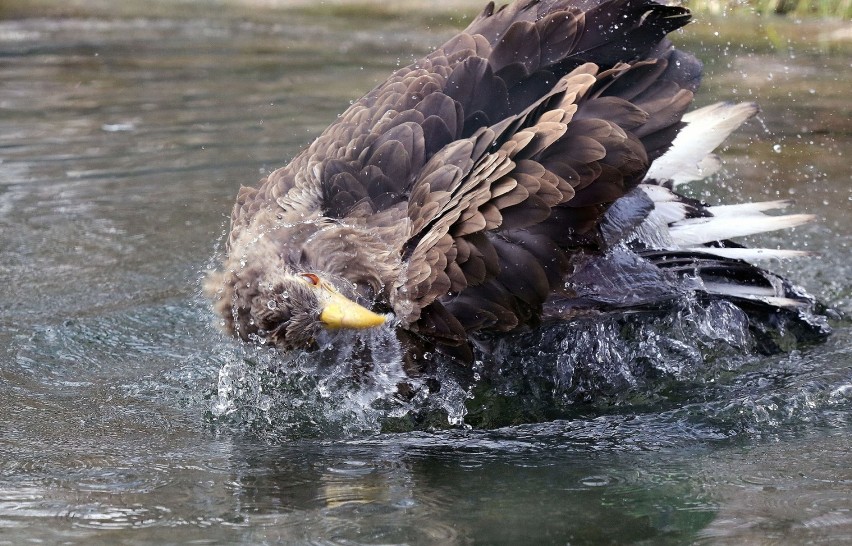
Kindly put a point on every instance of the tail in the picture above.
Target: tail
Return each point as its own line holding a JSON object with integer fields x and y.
{"x": 684, "y": 244}
{"x": 677, "y": 222}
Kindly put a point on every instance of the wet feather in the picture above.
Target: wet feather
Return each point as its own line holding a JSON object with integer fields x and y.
{"x": 466, "y": 192}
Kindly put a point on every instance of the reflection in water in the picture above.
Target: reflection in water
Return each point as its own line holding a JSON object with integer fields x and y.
{"x": 123, "y": 143}
{"x": 391, "y": 492}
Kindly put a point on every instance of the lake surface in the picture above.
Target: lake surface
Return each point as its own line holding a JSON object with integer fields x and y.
{"x": 127, "y": 417}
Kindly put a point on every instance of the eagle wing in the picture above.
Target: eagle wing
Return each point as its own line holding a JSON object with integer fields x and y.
{"x": 558, "y": 124}
{"x": 500, "y": 151}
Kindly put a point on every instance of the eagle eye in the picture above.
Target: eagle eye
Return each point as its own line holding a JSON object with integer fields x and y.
{"x": 311, "y": 278}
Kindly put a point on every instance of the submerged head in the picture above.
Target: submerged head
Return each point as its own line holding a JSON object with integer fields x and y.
{"x": 286, "y": 309}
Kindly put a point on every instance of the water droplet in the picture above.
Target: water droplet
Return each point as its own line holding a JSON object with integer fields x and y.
{"x": 777, "y": 148}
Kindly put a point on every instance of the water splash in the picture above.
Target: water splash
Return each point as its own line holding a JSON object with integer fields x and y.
{"x": 366, "y": 382}
{"x": 345, "y": 388}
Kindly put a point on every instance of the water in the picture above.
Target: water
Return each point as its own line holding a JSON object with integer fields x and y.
{"x": 128, "y": 418}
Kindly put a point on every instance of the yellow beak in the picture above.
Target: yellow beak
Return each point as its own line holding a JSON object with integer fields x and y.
{"x": 340, "y": 312}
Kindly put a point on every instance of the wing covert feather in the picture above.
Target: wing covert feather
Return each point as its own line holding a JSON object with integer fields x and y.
{"x": 499, "y": 152}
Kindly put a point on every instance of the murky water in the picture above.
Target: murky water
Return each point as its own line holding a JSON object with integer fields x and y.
{"x": 127, "y": 417}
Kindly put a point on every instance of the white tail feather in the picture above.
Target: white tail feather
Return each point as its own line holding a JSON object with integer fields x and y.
{"x": 740, "y": 209}
{"x": 697, "y": 231}
{"x": 754, "y": 293}
{"x": 689, "y": 157}
{"x": 668, "y": 206}
{"x": 727, "y": 221}
{"x": 659, "y": 194}
{"x": 751, "y": 254}
{"x": 670, "y": 212}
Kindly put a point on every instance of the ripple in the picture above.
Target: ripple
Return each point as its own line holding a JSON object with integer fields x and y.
{"x": 99, "y": 516}
{"x": 378, "y": 524}
{"x": 841, "y": 518}
{"x": 598, "y": 481}
{"x": 765, "y": 494}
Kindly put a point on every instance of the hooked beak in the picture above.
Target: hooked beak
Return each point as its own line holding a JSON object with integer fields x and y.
{"x": 341, "y": 312}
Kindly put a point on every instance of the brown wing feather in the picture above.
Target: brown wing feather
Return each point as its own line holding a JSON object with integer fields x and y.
{"x": 577, "y": 147}
{"x": 497, "y": 153}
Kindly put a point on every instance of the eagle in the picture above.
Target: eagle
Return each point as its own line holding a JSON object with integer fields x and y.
{"x": 525, "y": 171}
